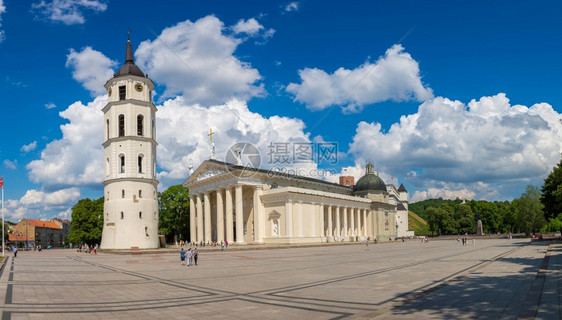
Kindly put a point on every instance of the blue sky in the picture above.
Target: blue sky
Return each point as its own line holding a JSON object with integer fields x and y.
{"x": 450, "y": 98}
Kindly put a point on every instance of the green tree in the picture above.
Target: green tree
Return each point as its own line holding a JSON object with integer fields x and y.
{"x": 489, "y": 214}
{"x": 553, "y": 225}
{"x": 552, "y": 193}
{"x": 174, "y": 213}
{"x": 87, "y": 221}
{"x": 466, "y": 220}
{"x": 530, "y": 216}
{"x": 441, "y": 219}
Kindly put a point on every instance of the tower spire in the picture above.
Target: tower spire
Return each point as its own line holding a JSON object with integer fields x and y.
{"x": 129, "y": 54}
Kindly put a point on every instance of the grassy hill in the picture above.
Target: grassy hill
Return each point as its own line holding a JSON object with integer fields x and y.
{"x": 417, "y": 224}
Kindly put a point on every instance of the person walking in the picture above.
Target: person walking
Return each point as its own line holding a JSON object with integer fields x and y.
{"x": 189, "y": 256}
{"x": 195, "y": 256}
{"x": 15, "y": 251}
{"x": 182, "y": 256}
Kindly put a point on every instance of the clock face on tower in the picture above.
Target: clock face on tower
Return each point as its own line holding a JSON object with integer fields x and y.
{"x": 138, "y": 87}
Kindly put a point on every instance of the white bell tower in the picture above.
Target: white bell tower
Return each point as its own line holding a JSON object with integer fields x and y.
{"x": 131, "y": 204}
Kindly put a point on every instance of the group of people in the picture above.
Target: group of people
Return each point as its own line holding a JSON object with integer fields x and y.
{"x": 465, "y": 241}
{"x": 191, "y": 256}
{"x": 222, "y": 244}
{"x": 92, "y": 249}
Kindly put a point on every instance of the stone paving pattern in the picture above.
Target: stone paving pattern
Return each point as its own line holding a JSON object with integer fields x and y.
{"x": 495, "y": 279}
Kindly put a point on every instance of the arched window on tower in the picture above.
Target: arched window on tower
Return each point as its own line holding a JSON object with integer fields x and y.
{"x": 122, "y": 164}
{"x": 107, "y": 128}
{"x": 139, "y": 161}
{"x": 153, "y": 130}
{"x": 121, "y": 125}
{"x": 140, "y": 128}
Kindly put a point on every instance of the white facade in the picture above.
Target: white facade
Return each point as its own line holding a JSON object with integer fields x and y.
{"x": 131, "y": 204}
{"x": 231, "y": 203}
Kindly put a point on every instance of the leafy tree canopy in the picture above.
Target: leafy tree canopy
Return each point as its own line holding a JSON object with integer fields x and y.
{"x": 87, "y": 221}
{"x": 552, "y": 193}
{"x": 174, "y": 213}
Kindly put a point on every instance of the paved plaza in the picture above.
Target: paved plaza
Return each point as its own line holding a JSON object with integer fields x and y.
{"x": 495, "y": 279}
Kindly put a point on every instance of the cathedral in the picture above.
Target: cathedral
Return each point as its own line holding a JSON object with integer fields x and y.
{"x": 242, "y": 205}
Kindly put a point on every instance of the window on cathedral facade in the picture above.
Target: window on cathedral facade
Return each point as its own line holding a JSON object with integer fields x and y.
{"x": 139, "y": 161}
{"x": 140, "y": 193}
{"x": 107, "y": 127}
{"x": 122, "y": 164}
{"x": 123, "y": 193}
{"x": 122, "y": 215}
{"x": 140, "y": 120}
{"x": 121, "y": 125}
{"x": 122, "y": 91}
{"x": 140, "y": 214}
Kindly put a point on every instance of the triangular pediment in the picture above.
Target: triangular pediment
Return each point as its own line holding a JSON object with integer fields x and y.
{"x": 206, "y": 170}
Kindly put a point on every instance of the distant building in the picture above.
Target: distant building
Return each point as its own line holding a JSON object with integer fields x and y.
{"x": 348, "y": 181}
{"x": 44, "y": 233}
{"x": 65, "y": 225}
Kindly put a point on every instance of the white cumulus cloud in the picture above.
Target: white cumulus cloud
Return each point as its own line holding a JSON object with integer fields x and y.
{"x": 67, "y": 11}
{"x": 2, "y": 11}
{"x": 91, "y": 68}
{"x": 178, "y": 148}
{"x": 29, "y": 147}
{"x": 292, "y": 6}
{"x": 75, "y": 160}
{"x": 11, "y": 164}
{"x": 250, "y": 26}
{"x": 35, "y": 202}
{"x": 489, "y": 146}
{"x": 396, "y": 77}
{"x": 197, "y": 59}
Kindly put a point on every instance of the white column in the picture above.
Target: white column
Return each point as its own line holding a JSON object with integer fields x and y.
{"x": 364, "y": 224}
{"x": 314, "y": 218}
{"x": 258, "y": 217}
{"x": 352, "y": 218}
{"x": 207, "y": 218}
{"x": 330, "y": 222}
{"x": 239, "y": 214}
{"x": 192, "y": 223}
{"x": 299, "y": 219}
{"x": 199, "y": 218}
{"x": 338, "y": 223}
{"x": 345, "y": 225}
{"x": 289, "y": 219}
{"x": 220, "y": 217}
{"x": 229, "y": 221}
{"x": 321, "y": 214}
{"x": 357, "y": 222}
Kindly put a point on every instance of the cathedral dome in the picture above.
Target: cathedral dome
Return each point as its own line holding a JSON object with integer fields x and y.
{"x": 370, "y": 181}
{"x": 129, "y": 68}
